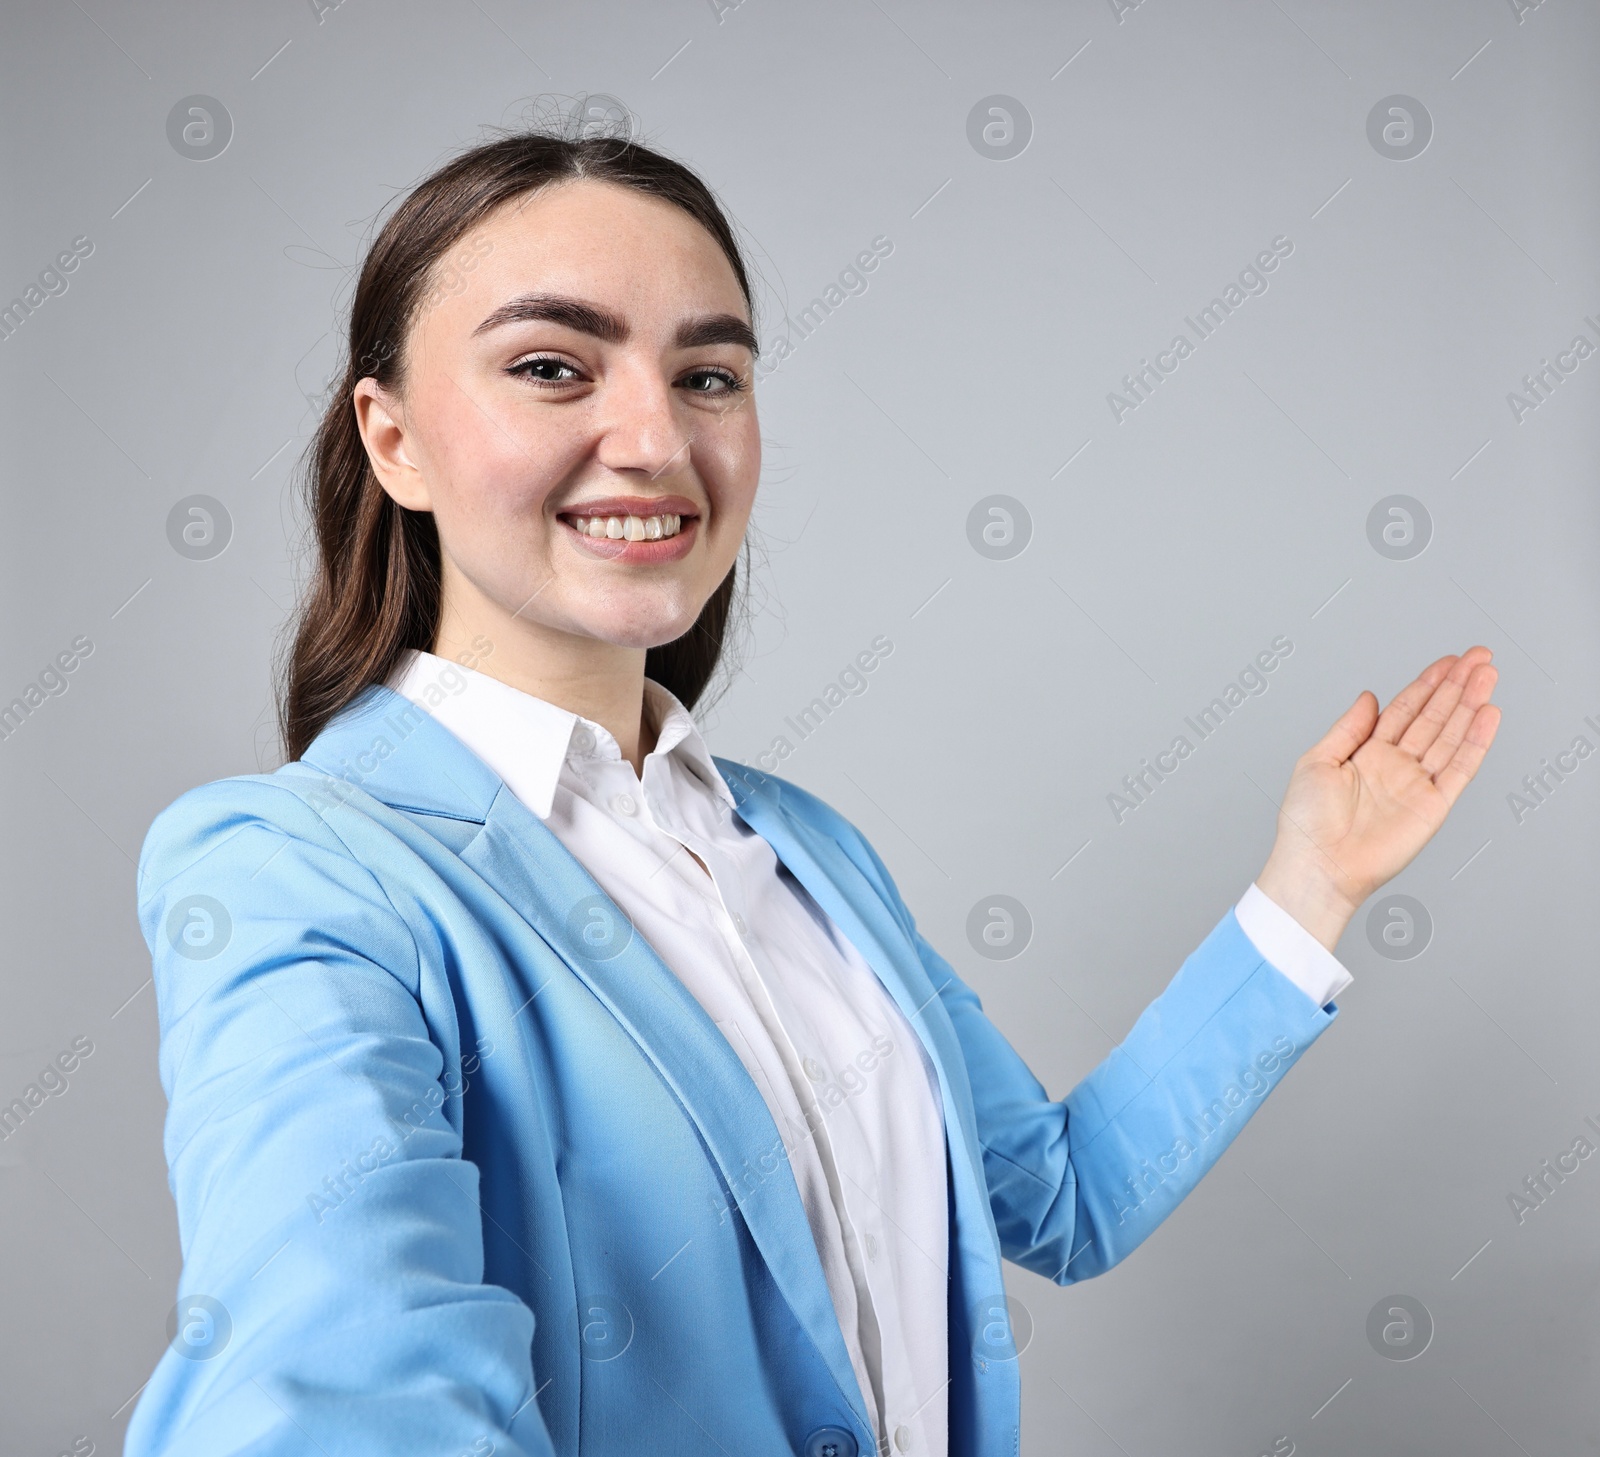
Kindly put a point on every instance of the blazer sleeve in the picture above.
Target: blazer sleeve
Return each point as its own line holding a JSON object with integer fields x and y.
{"x": 332, "y": 1295}
{"x": 1077, "y": 1184}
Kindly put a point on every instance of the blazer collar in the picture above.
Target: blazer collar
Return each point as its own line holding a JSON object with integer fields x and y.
{"x": 396, "y": 752}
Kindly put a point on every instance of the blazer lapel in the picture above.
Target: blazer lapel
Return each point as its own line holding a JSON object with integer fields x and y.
{"x": 551, "y": 890}
{"x": 985, "y": 1389}
{"x": 839, "y": 887}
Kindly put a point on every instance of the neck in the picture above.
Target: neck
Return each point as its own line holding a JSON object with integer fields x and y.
{"x": 600, "y": 681}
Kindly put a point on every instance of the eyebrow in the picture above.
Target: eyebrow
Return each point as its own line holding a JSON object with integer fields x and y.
{"x": 610, "y": 328}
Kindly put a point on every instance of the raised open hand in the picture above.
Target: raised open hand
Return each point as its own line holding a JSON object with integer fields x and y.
{"x": 1364, "y": 799}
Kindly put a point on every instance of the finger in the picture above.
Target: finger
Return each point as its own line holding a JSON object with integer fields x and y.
{"x": 1479, "y": 688}
{"x": 1404, "y": 706}
{"x": 1457, "y": 774}
{"x": 1392, "y": 722}
{"x": 1353, "y": 729}
{"x": 1433, "y": 715}
{"x": 1436, "y": 712}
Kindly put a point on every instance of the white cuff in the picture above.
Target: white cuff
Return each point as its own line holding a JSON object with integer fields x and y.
{"x": 1291, "y": 948}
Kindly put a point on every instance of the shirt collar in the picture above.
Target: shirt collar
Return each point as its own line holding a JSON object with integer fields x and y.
{"x": 527, "y": 740}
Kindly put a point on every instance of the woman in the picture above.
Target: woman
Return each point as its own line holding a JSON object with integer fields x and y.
{"x": 539, "y": 1083}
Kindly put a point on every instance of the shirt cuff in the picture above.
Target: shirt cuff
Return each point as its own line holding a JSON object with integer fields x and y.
{"x": 1291, "y": 948}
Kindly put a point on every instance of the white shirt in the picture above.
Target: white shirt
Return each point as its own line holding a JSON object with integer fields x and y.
{"x": 814, "y": 1027}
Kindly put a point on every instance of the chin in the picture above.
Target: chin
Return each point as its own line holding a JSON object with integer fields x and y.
{"x": 645, "y": 629}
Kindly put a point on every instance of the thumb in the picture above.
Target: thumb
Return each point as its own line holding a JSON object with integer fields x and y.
{"x": 1352, "y": 730}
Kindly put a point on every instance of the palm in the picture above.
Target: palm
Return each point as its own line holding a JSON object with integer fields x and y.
{"x": 1364, "y": 800}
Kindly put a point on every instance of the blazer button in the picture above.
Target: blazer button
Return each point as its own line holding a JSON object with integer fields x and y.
{"x": 831, "y": 1442}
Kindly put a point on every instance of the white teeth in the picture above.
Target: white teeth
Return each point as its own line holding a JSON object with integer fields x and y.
{"x": 630, "y": 528}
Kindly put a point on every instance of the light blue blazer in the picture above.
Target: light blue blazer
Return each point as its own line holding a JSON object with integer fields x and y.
{"x": 461, "y": 1167}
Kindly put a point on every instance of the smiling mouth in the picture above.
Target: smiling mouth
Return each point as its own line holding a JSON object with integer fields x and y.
{"x": 627, "y": 528}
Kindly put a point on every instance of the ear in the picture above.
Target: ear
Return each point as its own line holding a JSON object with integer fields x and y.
{"x": 381, "y": 422}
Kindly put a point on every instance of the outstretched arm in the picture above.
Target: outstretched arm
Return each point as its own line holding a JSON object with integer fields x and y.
{"x": 333, "y": 1295}
{"x": 1076, "y": 1184}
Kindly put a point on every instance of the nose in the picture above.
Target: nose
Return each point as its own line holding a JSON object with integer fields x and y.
{"x": 643, "y": 429}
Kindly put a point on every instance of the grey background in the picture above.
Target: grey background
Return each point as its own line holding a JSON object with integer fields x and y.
{"x": 1170, "y": 145}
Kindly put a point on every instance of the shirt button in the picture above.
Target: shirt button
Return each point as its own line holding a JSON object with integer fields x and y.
{"x": 582, "y": 739}
{"x": 872, "y": 1254}
{"x": 624, "y": 804}
{"x": 831, "y": 1442}
{"x": 902, "y": 1438}
{"x": 814, "y": 1070}
{"x": 738, "y": 923}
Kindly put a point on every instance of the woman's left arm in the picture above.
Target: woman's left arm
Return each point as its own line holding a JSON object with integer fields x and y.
{"x": 1077, "y": 1184}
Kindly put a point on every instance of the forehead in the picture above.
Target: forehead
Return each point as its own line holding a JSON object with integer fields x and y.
{"x": 604, "y": 242}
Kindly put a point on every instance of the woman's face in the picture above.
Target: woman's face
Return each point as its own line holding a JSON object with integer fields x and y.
{"x": 583, "y": 356}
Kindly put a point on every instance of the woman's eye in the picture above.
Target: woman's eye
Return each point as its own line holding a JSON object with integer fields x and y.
{"x": 711, "y": 381}
{"x": 546, "y": 370}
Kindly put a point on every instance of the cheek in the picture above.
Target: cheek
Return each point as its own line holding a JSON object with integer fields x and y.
{"x": 492, "y": 465}
{"x": 730, "y": 464}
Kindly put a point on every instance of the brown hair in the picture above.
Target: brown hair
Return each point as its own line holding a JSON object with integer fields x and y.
{"x": 375, "y": 586}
